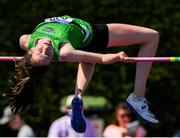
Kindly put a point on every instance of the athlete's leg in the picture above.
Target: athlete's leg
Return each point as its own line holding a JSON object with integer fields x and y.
{"x": 123, "y": 35}
{"x": 84, "y": 75}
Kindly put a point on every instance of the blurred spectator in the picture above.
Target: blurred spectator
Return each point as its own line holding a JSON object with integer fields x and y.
{"x": 177, "y": 134}
{"x": 5, "y": 131}
{"x": 16, "y": 122}
{"x": 62, "y": 126}
{"x": 123, "y": 127}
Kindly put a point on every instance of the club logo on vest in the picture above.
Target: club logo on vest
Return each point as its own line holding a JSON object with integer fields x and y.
{"x": 48, "y": 30}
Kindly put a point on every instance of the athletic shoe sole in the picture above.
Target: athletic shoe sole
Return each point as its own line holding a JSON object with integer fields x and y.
{"x": 135, "y": 112}
{"x": 77, "y": 120}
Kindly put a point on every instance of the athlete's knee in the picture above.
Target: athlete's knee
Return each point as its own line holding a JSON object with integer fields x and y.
{"x": 154, "y": 37}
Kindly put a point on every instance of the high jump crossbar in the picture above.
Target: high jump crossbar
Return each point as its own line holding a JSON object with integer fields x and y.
{"x": 10, "y": 58}
{"x": 133, "y": 59}
{"x": 152, "y": 59}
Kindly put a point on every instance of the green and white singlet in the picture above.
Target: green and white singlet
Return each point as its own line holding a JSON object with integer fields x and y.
{"x": 63, "y": 29}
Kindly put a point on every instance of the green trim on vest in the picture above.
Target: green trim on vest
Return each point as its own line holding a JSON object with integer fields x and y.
{"x": 58, "y": 33}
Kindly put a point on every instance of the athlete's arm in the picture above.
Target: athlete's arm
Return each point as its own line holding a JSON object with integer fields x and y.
{"x": 23, "y": 41}
{"x": 68, "y": 53}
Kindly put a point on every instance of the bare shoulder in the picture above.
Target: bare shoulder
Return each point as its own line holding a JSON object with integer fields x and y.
{"x": 65, "y": 48}
{"x": 23, "y": 41}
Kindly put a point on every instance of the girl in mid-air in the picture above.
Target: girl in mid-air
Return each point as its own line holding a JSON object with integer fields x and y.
{"x": 67, "y": 39}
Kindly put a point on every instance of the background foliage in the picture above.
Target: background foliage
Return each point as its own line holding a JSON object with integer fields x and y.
{"x": 115, "y": 81}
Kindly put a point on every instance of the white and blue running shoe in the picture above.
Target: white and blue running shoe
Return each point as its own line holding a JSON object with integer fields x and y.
{"x": 140, "y": 107}
{"x": 77, "y": 118}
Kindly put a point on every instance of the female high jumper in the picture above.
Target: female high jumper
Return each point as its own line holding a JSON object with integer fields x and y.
{"x": 68, "y": 39}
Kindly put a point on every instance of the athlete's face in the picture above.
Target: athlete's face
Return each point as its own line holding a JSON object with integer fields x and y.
{"x": 42, "y": 53}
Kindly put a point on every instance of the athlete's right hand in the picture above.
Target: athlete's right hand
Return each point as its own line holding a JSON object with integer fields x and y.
{"x": 122, "y": 57}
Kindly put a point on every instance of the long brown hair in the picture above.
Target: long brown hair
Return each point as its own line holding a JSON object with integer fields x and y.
{"x": 22, "y": 84}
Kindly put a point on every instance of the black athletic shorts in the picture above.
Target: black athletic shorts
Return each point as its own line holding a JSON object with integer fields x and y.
{"x": 100, "y": 39}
